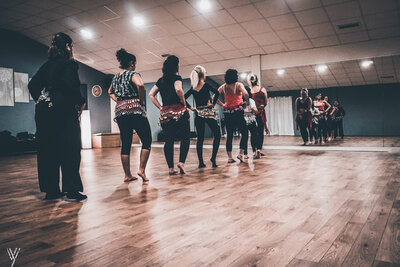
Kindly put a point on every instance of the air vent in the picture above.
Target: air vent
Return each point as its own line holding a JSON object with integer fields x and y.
{"x": 269, "y": 86}
{"x": 387, "y": 77}
{"x": 348, "y": 26}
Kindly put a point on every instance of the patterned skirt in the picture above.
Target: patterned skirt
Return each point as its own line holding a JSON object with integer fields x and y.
{"x": 129, "y": 107}
{"x": 172, "y": 113}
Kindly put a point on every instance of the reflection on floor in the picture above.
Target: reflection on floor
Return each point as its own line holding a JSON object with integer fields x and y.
{"x": 295, "y": 208}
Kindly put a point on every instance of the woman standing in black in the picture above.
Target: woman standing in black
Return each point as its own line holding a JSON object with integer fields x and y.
{"x": 57, "y": 113}
{"x": 174, "y": 116}
{"x": 204, "y": 112}
{"x": 127, "y": 89}
{"x": 304, "y": 118}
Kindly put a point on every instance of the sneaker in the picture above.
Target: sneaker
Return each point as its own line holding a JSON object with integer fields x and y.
{"x": 75, "y": 196}
{"x": 51, "y": 196}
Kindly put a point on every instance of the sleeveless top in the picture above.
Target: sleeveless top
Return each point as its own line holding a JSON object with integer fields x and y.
{"x": 233, "y": 100}
{"x": 259, "y": 98}
{"x": 319, "y": 105}
{"x": 128, "y": 103}
{"x": 302, "y": 104}
{"x": 123, "y": 87}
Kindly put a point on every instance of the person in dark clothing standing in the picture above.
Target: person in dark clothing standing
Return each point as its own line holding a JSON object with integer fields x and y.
{"x": 59, "y": 104}
{"x": 204, "y": 112}
{"x": 339, "y": 119}
{"x": 174, "y": 116}
{"x": 127, "y": 89}
{"x": 304, "y": 118}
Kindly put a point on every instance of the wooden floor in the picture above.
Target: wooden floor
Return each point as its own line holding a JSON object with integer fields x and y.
{"x": 294, "y": 208}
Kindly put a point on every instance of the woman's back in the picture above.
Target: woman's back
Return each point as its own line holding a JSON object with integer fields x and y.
{"x": 166, "y": 85}
{"x": 123, "y": 87}
{"x": 233, "y": 96}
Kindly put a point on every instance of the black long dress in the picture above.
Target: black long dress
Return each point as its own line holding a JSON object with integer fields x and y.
{"x": 57, "y": 124}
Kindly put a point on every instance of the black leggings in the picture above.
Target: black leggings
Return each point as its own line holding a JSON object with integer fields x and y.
{"x": 304, "y": 129}
{"x": 253, "y": 137}
{"x": 136, "y": 122}
{"x": 200, "y": 128}
{"x": 322, "y": 128}
{"x": 180, "y": 129}
{"x": 235, "y": 120}
{"x": 260, "y": 132}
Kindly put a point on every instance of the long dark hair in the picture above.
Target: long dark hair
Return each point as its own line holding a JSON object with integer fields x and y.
{"x": 58, "y": 46}
{"x": 170, "y": 66}
{"x": 231, "y": 76}
{"x": 125, "y": 58}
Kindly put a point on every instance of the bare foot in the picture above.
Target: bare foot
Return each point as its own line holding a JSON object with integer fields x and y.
{"x": 128, "y": 179}
{"x": 181, "y": 167}
{"x": 143, "y": 176}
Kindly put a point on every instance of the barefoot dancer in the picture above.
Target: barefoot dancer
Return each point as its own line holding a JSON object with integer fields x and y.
{"x": 174, "y": 116}
{"x": 233, "y": 92}
{"x": 204, "y": 112}
{"x": 128, "y": 91}
{"x": 260, "y": 96}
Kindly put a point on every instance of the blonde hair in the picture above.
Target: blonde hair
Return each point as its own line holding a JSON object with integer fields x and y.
{"x": 197, "y": 73}
{"x": 252, "y": 80}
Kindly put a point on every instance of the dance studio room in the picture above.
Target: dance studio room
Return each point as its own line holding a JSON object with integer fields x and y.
{"x": 200, "y": 133}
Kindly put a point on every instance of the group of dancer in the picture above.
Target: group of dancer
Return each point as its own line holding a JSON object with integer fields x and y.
{"x": 59, "y": 104}
{"x": 318, "y": 120}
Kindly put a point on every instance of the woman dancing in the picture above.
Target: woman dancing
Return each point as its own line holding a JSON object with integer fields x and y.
{"x": 59, "y": 104}
{"x": 204, "y": 112}
{"x": 233, "y": 92}
{"x": 174, "y": 116}
{"x": 328, "y": 118}
{"x": 260, "y": 96}
{"x": 320, "y": 105}
{"x": 251, "y": 122}
{"x": 128, "y": 91}
{"x": 304, "y": 117}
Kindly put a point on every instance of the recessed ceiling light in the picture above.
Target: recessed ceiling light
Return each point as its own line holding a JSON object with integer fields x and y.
{"x": 86, "y": 33}
{"x": 243, "y": 75}
{"x": 366, "y": 63}
{"x": 139, "y": 21}
{"x": 204, "y": 5}
{"x": 280, "y": 72}
{"x": 322, "y": 68}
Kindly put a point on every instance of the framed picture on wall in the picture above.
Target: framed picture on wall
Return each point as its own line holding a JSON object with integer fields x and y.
{"x": 21, "y": 87}
{"x": 6, "y": 87}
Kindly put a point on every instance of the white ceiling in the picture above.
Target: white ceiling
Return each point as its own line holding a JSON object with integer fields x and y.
{"x": 232, "y": 29}
{"x": 347, "y": 73}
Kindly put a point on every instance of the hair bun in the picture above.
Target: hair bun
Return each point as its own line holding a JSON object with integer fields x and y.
{"x": 121, "y": 54}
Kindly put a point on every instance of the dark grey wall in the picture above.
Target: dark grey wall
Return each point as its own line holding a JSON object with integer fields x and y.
{"x": 371, "y": 110}
{"x": 26, "y": 55}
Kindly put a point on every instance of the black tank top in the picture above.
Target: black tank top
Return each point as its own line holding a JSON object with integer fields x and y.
{"x": 301, "y": 104}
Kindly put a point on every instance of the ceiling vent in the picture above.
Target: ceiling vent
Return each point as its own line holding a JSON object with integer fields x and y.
{"x": 387, "y": 77}
{"x": 347, "y": 26}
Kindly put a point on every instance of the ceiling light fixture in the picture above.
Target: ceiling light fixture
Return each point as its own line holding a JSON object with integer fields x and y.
{"x": 204, "y": 5}
{"x": 366, "y": 63}
{"x": 280, "y": 72}
{"x": 139, "y": 21}
{"x": 322, "y": 68}
{"x": 243, "y": 75}
{"x": 86, "y": 33}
